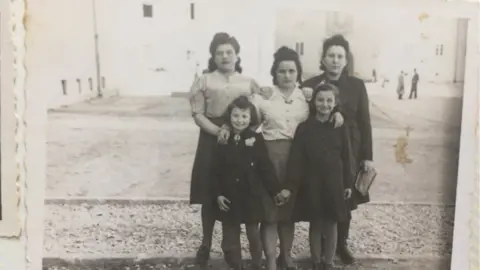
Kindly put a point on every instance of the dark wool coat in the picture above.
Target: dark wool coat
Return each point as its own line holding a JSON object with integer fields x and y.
{"x": 319, "y": 170}
{"x": 354, "y": 106}
{"x": 242, "y": 173}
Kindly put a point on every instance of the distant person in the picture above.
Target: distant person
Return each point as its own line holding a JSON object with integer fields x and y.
{"x": 374, "y": 75}
{"x": 413, "y": 90}
{"x": 401, "y": 86}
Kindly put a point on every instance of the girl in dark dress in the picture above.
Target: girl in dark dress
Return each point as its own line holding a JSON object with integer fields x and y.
{"x": 320, "y": 171}
{"x": 241, "y": 170}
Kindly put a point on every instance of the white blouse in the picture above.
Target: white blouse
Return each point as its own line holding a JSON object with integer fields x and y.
{"x": 281, "y": 115}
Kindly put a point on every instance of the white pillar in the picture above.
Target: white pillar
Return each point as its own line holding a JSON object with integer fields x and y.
{"x": 461, "y": 50}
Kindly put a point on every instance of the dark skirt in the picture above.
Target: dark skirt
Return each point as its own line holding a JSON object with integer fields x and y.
{"x": 357, "y": 198}
{"x": 278, "y": 151}
{"x": 202, "y": 166}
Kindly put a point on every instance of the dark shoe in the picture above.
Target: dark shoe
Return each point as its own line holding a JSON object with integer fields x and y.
{"x": 203, "y": 255}
{"x": 281, "y": 264}
{"x": 344, "y": 253}
{"x": 317, "y": 266}
{"x": 327, "y": 266}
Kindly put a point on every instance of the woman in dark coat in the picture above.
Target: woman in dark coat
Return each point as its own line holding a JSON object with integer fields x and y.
{"x": 241, "y": 170}
{"x": 354, "y": 106}
{"x": 211, "y": 93}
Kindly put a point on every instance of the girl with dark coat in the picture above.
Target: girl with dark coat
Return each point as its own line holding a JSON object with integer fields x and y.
{"x": 241, "y": 171}
{"x": 354, "y": 106}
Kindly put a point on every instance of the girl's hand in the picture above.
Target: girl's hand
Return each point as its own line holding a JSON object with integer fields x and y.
{"x": 337, "y": 119}
{"x": 223, "y": 135}
{"x": 222, "y": 202}
{"x": 307, "y": 92}
{"x": 348, "y": 193}
{"x": 368, "y": 165}
{"x": 266, "y": 92}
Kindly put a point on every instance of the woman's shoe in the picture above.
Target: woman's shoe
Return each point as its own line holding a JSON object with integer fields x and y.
{"x": 203, "y": 255}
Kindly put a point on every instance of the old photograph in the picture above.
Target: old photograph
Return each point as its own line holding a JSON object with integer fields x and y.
{"x": 9, "y": 197}
{"x": 238, "y": 135}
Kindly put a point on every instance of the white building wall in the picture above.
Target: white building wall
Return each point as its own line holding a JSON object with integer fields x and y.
{"x": 60, "y": 33}
{"x": 395, "y": 44}
{"x": 162, "y": 54}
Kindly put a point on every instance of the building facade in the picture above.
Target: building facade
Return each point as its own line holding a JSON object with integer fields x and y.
{"x": 436, "y": 47}
{"x": 157, "y": 47}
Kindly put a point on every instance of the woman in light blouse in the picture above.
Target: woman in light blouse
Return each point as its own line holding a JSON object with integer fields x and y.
{"x": 211, "y": 93}
{"x": 281, "y": 113}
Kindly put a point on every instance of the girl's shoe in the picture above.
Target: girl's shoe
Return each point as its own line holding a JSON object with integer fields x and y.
{"x": 328, "y": 266}
{"x": 281, "y": 264}
{"x": 203, "y": 255}
{"x": 317, "y": 266}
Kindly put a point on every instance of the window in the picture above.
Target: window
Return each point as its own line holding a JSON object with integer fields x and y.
{"x": 192, "y": 11}
{"x": 439, "y": 49}
{"x": 64, "y": 87}
{"x": 147, "y": 11}
{"x": 299, "y": 48}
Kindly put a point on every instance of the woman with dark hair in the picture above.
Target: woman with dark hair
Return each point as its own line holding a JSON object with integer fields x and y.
{"x": 354, "y": 105}
{"x": 211, "y": 93}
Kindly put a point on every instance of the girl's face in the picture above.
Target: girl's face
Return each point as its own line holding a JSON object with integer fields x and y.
{"x": 325, "y": 102}
{"x": 240, "y": 119}
{"x": 335, "y": 59}
{"x": 286, "y": 74}
{"x": 225, "y": 58}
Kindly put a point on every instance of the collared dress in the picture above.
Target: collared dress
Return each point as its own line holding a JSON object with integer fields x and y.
{"x": 319, "y": 170}
{"x": 241, "y": 171}
{"x": 210, "y": 95}
{"x": 280, "y": 117}
{"x": 354, "y": 106}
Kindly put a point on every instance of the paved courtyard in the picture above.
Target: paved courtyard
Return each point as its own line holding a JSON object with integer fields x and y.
{"x": 130, "y": 148}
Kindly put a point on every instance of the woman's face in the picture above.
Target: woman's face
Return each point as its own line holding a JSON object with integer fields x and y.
{"x": 335, "y": 59}
{"x": 225, "y": 57}
{"x": 286, "y": 74}
{"x": 325, "y": 102}
{"x": 240, "y": 119}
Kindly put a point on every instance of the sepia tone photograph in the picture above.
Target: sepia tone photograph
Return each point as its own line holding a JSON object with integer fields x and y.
{"x": 181, "y": 138}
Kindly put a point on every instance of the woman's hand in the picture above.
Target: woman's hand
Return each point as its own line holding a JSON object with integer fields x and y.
{"x": 347, "y": 193}
{"x": 337, "y": 119}
{"x": 307, "y": 92}
{"x": 282, "y": 197}
{"x": 223, "y": 135}
{"x": 368, "y": 165}
{"x": 222, "y": 202}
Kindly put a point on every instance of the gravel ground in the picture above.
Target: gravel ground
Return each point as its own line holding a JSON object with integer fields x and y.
{"x": 374, "y": 264}
{"x": 111, "y": 230}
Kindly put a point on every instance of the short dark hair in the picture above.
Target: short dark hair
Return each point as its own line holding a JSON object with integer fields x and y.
{"x": 242, "y": 102}
{"x": 323, "y": 87}
{"x": 222, "y": 38}
{"x": 335, "y": 40}
{"x": 286, "y": 54}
